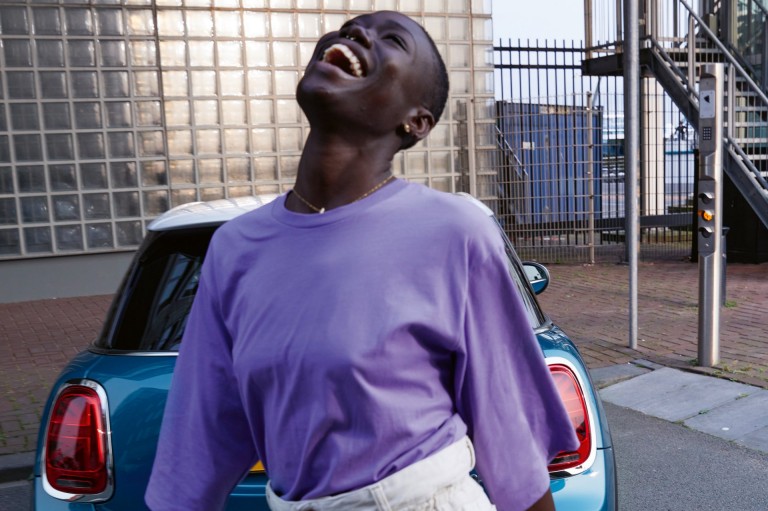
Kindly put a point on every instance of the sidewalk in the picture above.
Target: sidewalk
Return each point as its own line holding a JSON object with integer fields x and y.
{"x": 589, "y": 302}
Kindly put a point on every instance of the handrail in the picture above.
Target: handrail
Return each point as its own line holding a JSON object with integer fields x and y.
{"x": 746, "y": 161}
{"x": 756, "y": 88}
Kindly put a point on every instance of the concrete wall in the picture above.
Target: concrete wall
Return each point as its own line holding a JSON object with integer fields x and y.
{"x": 62, "y": 277}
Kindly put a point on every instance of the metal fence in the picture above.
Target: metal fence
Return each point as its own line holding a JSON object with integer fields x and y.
{"x": 560, "y": 160}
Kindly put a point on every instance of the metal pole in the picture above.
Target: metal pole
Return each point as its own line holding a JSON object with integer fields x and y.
{"x": 588, "y": 27}
{"x": 710, "y": 212}
{"x": 631, "y": 152}
{"x": 591, "y": 177}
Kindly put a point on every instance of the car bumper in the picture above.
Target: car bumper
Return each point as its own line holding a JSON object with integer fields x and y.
{"x": 592, "y": 490}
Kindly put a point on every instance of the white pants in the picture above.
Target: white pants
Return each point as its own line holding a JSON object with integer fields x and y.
{"x": 440, "y": 482}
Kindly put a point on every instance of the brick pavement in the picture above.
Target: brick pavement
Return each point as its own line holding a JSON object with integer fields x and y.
{"x": 590, "y": 303}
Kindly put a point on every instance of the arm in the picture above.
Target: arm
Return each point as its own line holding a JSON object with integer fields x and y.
{"x": 205, "y": 445}
{"x": 504, "y": 390}
{"x": 545, "y": 503}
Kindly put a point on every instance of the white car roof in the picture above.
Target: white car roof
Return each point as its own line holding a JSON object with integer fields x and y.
{"x": 198, "y": 214}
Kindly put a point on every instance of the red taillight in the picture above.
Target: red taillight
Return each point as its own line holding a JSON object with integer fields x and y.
{"x": 76, "y": 443}
{"x": 573, "y": 399}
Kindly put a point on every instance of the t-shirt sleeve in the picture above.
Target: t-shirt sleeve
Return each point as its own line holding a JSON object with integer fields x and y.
{"x": 504, "y": 390}
{"x": 205, "y": 445}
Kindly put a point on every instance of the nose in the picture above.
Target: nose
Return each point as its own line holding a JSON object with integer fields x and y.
{"x": 359, "y": 34}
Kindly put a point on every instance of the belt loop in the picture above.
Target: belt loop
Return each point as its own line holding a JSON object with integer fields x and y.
{"x": 471, "y": 452}
{"x": 382, "y": 503}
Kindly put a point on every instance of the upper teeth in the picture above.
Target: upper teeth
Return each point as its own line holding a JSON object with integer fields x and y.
{"x": 354, "y": 62}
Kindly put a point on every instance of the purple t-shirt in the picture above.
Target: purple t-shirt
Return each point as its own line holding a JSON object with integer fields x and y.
{"x": 340, "y": 348}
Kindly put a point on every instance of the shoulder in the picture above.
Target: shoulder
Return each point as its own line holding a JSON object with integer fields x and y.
{"x": 460, "y": 211}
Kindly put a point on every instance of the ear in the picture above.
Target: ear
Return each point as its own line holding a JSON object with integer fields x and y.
{"x": 421, "y": 122}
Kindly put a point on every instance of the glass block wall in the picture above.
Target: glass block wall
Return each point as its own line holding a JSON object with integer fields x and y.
{"x": 113, "y": 111}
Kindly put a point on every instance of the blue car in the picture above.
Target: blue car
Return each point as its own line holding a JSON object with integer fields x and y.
{"x": 102, "y": 420}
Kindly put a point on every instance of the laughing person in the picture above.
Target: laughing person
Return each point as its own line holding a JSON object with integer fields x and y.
{"x": 360, "y": 335}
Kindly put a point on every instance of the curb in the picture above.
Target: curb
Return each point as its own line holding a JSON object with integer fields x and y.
{"x": 16, "y": 467}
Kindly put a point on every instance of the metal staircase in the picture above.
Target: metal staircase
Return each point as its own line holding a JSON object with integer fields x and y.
{"x": 678, "y": 40}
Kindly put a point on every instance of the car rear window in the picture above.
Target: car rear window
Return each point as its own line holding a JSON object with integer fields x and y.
{"x": 151, "y": 308}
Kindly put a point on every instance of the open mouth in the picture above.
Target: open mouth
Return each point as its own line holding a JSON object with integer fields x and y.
{"x": 342, "y": 57}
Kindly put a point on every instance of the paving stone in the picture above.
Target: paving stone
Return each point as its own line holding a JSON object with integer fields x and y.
{"x": 735, "y": 420}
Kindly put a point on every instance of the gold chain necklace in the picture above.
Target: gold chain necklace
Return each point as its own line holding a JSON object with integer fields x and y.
{"x": 363, "y": 196}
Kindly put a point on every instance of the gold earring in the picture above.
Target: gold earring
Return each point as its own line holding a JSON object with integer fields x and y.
{"x": 407, "y": 128}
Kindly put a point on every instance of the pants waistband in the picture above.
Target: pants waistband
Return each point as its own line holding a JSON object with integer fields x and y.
{"x": 415, "y": 482}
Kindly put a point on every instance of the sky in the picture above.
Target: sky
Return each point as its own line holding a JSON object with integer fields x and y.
{"x": 542, "y": 19}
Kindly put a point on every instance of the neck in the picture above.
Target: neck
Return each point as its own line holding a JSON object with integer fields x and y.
{"x": 333, "y": 172}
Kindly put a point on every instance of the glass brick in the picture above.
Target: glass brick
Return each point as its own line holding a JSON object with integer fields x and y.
{"x": 128, "y": 233}
{"x": 284, "y": 54}
{"x": 121, "y": 145}
{"x": 255, "y": 24}
{"x": 435, "y": 27}
{"x": 175, "y": 83}
{"x": 99, "y": 235}
{"x": 143, "y": 53}
{"x": 34, "y": 209}
{"x": 290, "y": 139}
{"x": 6, "y": 180}
{"x": 434, "y": 6}
{"x": 208, "y": 141}
{"x": 226, "y": 3}
{"x": 148, "y": 113}
{"x": 8, "y": 211}
{"x": 151, "y": 143}
{"x": 198, "y": 3}
{"x": 459, "y": 55}
{"x": 66, "y": 207}
{"x": 460, "y": 82}
{"x": 173, "y": 53}
{"x": 18, "y": 52}
{"x": 306, "y": 50}
{"x": 230, "y": 53}
{"x": 199, "y": 23}
{"x": 336, "y": 5}
{"x": 53, "y": 84}
{"x": 155, "y": 203}
{"x": 123, "y": 174}
{"x": 78, "y": 21}
{"x": 457, "y": 6}
{"x": 254, "y": 4}
{"x": 46, "y": 21}
{"x": 201, "y": 54}
{"x": 233, "y": 112}
{"x": 261, "y": 111}
{"x": 153, "y": 173}
{"x": 14, "y": 21}
{"x": 96, "y": 206}
{"x": 232, "y": 83}
{"x": 183, "y": 196}
{"x": 90, "y": 146}
{"x": 309, "y": 25}
{"x": 482, "y": 29}
{"x": 238, "y": 170}
{"x": 440, "y": 136}
{"x": 206, "y": 112}
{"x": 289, "y": 167}
{"x": 257, "y": 53}
{"x": 385, "y": 5}
{"x": 235, "y": 140}
{"x": 5, "y": 149}
{"x": 177, "y": 113}
{"x": 285, "y": 83}
{"x": 126, "y": 204}
{"x": 180, "y": 143}
{"x": 288, "y": 111}
{"x": 88, "y": 115}
{"x": 3, "y": 123}
{"x": 240, "y": 191}
{"x": 482, "y": 6}
{"x": 56, "y": 116}
{"x": 416, "y": 163}
{"x": 282, "y": 24}
{"x": 207, "y": 194}
{"x": 281, "y": 4}
{"x": 307, "y": 4}
{"x": 484, "y": 82}
{"x": 259, "y": 83}
{"x": 145, "y": 84}
{"x": 203, "y": 83}
{"x": 50, "y": 53}
{"x": 59, "y": 146}
{"x": 68, "y": 237}
{"x": 265, "y": 169}
{"x": 84, "y": 84}
{"x": 110, "y": 21}
{"x": 360, "y": 5}
{"x": 182, "y": 172}
{"x": 62, "y": 177}
{"x": 141, "y": 22}
{"x": 116, "y": 84}
{"x": 170, "y": 23}
{"x": 263, "y": 140}
{"x": 458, "y": 29}
{"x": 119, "y": 114}
{"x": 21, "y": 84}
{"x": 28, "y": 147}
{"x": 210, "y": 171}
{"x": 93, "y": 175}
{"x": 31, "y": 178}
{"x": 10, "y": 243}
{"x": 228, "y": 24}
{"x": 24, "y": 116}
{"x": 37, "y": 239}
{"x": 82, "y": 53}
{"x": 113, "y": 54}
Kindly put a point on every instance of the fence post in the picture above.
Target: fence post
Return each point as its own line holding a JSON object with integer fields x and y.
{"x": 591, "y": 178}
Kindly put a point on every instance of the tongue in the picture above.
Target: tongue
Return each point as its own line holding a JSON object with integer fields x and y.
{"x": 337, "y": 58}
